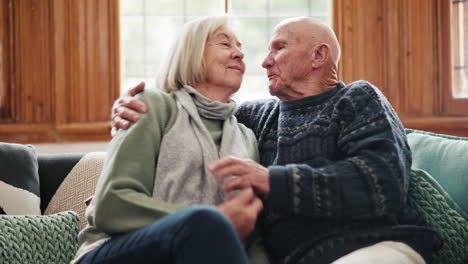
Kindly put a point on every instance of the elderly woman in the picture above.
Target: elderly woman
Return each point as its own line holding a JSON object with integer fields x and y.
{"x": 144, "y": 209}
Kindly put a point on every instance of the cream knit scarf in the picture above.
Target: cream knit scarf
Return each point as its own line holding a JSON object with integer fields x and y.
{"x": 188, "y": 149}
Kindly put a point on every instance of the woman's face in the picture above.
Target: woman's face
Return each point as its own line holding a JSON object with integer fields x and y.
{"x": 223, "y": 60}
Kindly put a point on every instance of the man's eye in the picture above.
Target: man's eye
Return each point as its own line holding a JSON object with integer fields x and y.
{"x": 226, "y": 44}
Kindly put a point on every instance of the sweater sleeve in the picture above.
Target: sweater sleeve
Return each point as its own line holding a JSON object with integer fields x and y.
{"x": 123, "y": 199}
{"x": 371, "y": 178}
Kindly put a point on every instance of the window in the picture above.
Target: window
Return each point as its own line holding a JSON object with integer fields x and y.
{"x": 460, "y": 48}
{"x": 148, "y": 27}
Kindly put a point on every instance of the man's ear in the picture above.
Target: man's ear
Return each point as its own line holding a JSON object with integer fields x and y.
{"x": 320, "y": 55}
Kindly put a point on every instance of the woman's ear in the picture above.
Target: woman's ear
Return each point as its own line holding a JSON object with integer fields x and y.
{"x": 320, "y": 55}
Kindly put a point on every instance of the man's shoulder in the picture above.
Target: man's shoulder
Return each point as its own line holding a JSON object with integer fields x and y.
{"x": 251, "y": 112}
{"x": 258, "y": 104}
{"x": 361, "y": 96}
{"x": 361, "y": 89}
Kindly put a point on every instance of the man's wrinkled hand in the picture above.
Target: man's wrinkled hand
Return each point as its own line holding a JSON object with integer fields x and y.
{"x": 247, "y": 173}
{"x": 127, "y": 109}
{"x": 242, "y": 210}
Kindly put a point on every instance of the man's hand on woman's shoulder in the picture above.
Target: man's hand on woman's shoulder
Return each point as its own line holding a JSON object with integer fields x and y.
{"x": 127, "y": 109}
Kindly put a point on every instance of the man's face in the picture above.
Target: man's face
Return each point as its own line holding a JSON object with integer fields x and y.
{"x": 287, "y": 61}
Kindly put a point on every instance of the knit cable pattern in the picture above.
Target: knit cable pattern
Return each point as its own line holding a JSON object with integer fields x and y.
{"x": 451, "y": 225}
{"x": 47, "y": 239}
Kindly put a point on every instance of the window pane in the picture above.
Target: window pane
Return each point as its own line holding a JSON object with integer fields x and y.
{"x": 254, "y": 35}
{"x": 159, "y": 36}
{"x": 459, "y": 48}
{"x": 204, "y": 7}
{"x": 131, "y": 7}
{"x": 163, "y": 7}
{"x": 244, "y": 6}
{"x": 132, "y": 46}
{"x": 148, "y": 29}
{"x": 149, "y": 26}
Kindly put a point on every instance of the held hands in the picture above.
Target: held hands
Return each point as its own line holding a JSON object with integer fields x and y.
{"x": 248, "y": 173}
{"x": 127, "y": 109}
{"x": 242, "y": 210}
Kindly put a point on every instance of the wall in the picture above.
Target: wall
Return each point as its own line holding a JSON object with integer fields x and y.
{"x": 59, "y": 69}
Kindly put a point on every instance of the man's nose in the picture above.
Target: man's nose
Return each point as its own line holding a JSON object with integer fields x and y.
{"x": 267, "y": 62}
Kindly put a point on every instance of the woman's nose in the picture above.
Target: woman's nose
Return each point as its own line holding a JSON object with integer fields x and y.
{"x": 237, "y": 54}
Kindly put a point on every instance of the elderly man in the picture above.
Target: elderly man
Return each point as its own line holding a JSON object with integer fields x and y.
{"x": 334, "y": 160}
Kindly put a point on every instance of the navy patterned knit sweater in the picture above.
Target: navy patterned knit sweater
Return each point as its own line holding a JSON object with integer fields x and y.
{"x": 339, "y": 166}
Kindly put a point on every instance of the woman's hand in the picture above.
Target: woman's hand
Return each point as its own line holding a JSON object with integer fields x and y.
{"x": 242, "y": 210}
{"x": 127, "y": 109}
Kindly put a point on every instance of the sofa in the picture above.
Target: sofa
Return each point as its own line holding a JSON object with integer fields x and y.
{"x": 438, "y": 191}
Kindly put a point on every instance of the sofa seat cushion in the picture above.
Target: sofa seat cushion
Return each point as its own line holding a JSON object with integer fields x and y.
{"x": 429, "y": 199}
{"x": 38, "y": 239}
{"x": 19, "y": 180}
{"x": 446, "y": 159}
{"x": 79, "y": 185}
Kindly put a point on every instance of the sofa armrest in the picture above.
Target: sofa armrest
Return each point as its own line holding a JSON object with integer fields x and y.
{"x": 53, "y": 168}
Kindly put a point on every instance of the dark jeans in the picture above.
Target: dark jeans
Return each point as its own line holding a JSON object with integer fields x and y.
{"x": 199, "y": 234}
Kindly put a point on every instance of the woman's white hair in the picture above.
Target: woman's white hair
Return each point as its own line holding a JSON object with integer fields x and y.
{"x": 184, "y": 64}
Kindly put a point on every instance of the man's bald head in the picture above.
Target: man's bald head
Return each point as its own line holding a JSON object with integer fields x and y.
{"x": 302, "y": 59}
{"x": 314, "y": 32}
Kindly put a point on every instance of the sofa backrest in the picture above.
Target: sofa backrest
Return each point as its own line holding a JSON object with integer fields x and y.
{"x": 53, "y": 168}
{"x": 445, "y": 158}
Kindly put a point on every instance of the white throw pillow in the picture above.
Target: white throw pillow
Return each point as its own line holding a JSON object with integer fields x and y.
{"x": 19, "y": 180}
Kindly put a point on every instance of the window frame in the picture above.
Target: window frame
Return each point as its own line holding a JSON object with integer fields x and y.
{"x": 448, "y": 104}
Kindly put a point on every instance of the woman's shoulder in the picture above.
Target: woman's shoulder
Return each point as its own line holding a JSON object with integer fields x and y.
{"x": 250, "y": 141}
{"x": 247, "y": 133}
{"x": 162, "y": 106}
{"x": 156, "y": 98}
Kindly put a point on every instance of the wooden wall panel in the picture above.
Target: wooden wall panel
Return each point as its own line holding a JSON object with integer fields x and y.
{"x": 391, "y": 59}
{"x": 31, "y": 68}
{"x": 62, "y": 74}
{"x": 89, "y": 43}
{"x": 419, "y": 66}
{"x": 5, "y": 69}
{"x": 363, "y": 25}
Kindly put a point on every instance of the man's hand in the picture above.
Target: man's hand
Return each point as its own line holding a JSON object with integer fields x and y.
{"x": 247, "y": 173}
{"x": 242, "y": 210}
{"x": 127, "y": 109}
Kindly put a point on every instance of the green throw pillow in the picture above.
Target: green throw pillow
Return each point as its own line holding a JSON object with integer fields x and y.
{"x": 441, "y": 213}
{"x": 38, "y": 239}
{"x": 446, "y": 159}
